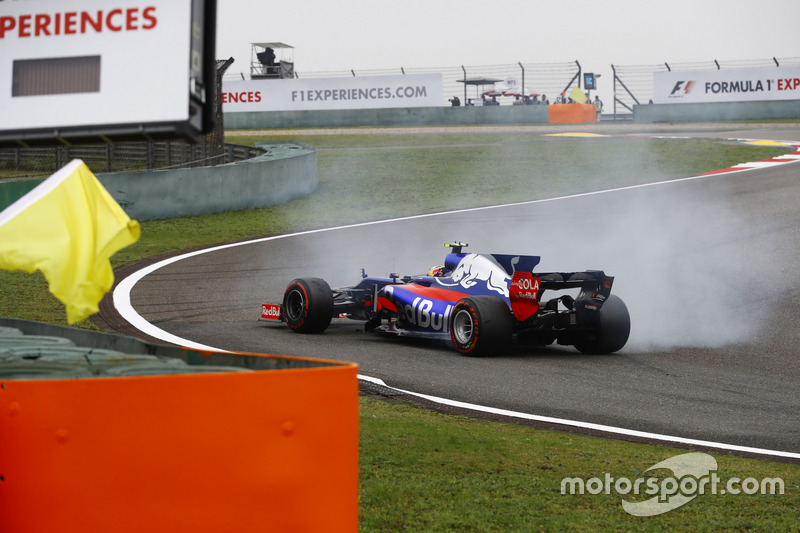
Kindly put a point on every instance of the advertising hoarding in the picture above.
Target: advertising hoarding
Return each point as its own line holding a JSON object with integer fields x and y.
{"x": 734, "y": 85}
{"x": 367, "y": 92}
{"x": 92, "y": 69}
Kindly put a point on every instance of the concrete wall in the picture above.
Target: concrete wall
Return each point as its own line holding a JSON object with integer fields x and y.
{"x": 286, "y": 172}
{"x": 711, "y": 112}
{"x": 522, "y": 114}
{"x": 411, "y": 116}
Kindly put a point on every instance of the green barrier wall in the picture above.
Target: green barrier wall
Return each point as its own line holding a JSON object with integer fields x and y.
{"x": 11, "y": 191}
{"x": 713, "y": 112}
{"x": 532, "y": 114}
{"x": 412, "y": 116}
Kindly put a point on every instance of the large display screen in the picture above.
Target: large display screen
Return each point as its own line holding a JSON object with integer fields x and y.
{"x": 104, "y": 68}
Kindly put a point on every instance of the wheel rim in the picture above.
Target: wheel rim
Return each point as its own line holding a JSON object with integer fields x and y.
{"x": 295, "y": 303}
{"x": 463, "y": 326}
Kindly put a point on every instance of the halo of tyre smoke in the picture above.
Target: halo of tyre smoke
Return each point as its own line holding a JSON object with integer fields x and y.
{"x": 689, "y": 263}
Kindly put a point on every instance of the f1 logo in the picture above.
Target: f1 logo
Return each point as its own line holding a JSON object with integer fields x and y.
{"x": 683, "y": 86}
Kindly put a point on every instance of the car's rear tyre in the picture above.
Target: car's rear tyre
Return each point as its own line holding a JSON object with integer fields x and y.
{"x": 308, "y": 305}
{"x": 615, "y": 327}
{"x": 481, "y": 325}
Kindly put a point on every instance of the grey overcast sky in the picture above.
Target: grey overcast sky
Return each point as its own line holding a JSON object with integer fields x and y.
{"x": 365, "y": 35}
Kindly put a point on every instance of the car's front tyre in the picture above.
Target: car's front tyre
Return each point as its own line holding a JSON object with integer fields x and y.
{"x": 308, "y": 305}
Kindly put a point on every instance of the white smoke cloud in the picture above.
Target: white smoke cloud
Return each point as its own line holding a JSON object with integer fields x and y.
{"x": 688, "y": 263}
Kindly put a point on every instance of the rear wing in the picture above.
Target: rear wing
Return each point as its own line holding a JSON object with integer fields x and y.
{"x": 587, "y": 280}
{"x": 525, "y": 293}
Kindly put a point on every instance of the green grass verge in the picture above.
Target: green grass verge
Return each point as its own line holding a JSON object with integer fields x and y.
{"x": 426, "y": 471}
{"x": 423, "y": 471}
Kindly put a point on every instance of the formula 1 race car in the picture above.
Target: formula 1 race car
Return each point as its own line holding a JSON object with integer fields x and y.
{"x": 480, "y": 302}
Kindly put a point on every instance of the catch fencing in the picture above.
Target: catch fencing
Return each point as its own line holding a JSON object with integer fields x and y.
{"x": 543, "y": 78}
{"x": 633, "y": 84}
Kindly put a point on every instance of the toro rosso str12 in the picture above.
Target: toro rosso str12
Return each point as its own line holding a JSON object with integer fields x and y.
{"x": 479, "y": 302}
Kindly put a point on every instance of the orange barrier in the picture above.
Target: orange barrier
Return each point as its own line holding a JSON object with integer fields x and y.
{"x": 571, "y": 113}
{"x": 262, "y": 450}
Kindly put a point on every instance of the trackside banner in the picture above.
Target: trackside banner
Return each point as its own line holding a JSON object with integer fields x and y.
{"x": 778, "y": 83}
{"x": 412, "y": 90}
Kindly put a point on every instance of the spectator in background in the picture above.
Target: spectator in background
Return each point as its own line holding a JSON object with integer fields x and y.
{"x": 455, "y": 101}
{"x": 544, "y": 100}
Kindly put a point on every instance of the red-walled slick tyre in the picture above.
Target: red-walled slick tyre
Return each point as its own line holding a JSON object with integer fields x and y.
{"x": 308, "y": 305}
{"x": 481, "y": 325}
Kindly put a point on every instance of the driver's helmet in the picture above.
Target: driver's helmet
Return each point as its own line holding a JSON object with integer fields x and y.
{"x": 436, "y": 271}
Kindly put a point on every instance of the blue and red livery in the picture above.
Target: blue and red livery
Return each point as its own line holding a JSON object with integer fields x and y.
{"x": 480, "y": 302}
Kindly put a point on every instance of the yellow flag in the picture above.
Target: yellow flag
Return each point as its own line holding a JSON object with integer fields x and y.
{"x": 578, "y": 96}
{"x": 68, "y": 227}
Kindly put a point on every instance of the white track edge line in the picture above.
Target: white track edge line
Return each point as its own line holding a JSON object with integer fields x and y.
{"x": 588, "y": 425}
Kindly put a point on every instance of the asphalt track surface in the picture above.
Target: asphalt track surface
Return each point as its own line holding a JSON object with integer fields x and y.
{"x": 708, "y": 268}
